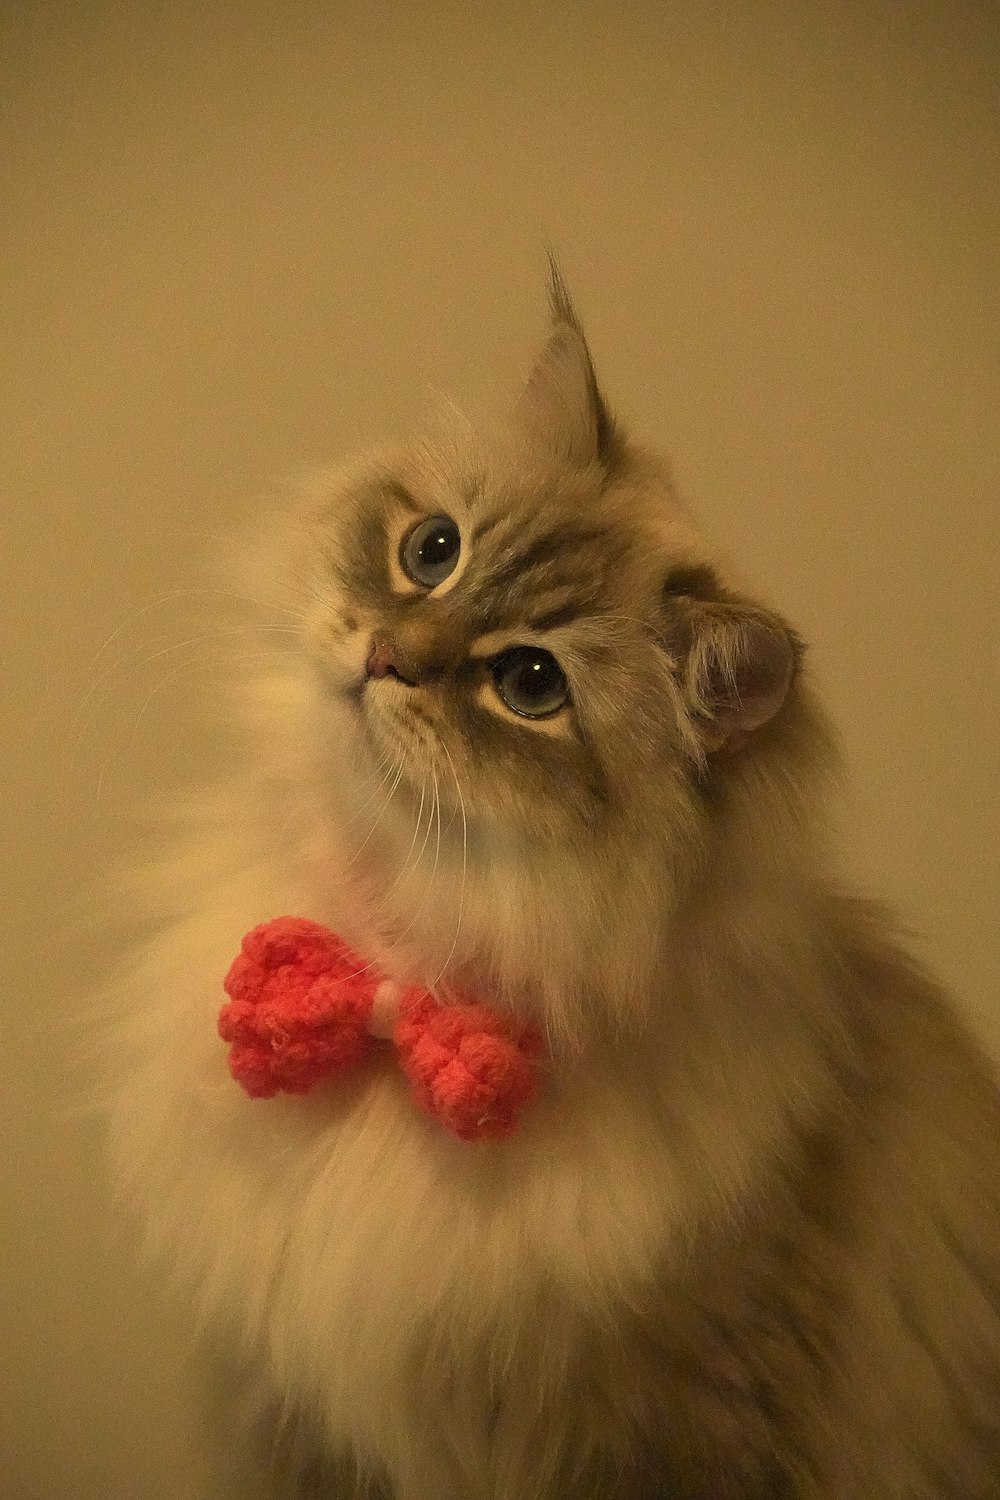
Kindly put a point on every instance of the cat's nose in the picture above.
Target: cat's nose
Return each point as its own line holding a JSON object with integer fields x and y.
{"x": 384, "y": 661}
{"x": 418, "y": 651}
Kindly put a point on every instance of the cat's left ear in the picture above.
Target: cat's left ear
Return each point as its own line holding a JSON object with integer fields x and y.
{"x": 735, "y": 660}
{"x": 562, "y": 410}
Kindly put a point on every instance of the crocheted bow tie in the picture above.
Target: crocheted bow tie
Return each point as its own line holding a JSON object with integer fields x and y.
{"x": 303, "y": 1007}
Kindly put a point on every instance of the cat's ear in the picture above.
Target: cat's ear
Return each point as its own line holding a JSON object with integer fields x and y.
{"x": 736, "y": 661}
{"x": 561, "y": 409}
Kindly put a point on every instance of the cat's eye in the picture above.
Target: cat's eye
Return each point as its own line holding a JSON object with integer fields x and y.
{"x": 530, "y": 681}
{"x": 430, "y": 551}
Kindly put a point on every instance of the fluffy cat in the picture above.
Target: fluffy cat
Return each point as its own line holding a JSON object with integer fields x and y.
{"x": 524, "y": 740}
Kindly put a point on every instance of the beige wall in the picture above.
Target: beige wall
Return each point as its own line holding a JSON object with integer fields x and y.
{"x": 239, "y": 239}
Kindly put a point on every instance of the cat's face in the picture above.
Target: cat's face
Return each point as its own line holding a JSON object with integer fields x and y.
{"x": 526, "y": 636}
{"x": 499, "y": 627}
{"x": 533, "y": 624}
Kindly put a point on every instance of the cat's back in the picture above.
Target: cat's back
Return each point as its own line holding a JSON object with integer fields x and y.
{"x": 927, "y": 1088}
{"x": 909, "y": 1207}
{"x": 845, "y": 1329}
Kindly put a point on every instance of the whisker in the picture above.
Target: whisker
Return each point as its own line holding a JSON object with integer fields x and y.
{"x": 435, "y": 817}
{"x": 437, "y": 845}
{"x": 465, "y": 863}
{"x": 382, "y": 812}
{"x": 120, "y": 665}
{"x": 170, "y": 595}
{"x": 435, "y": 807}
{"x": 416, "y": 830}
{"x": 124, "y": 663}
{"x": 154, "y": 690}
{"x": 92, "y": 704}
{"x": 387, "y": 767}
{"x": 196, "y": 658}
{"x": 430, "y": 818}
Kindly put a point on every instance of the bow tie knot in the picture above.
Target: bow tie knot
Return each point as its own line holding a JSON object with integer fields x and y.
{"x": 304, "y": 1006}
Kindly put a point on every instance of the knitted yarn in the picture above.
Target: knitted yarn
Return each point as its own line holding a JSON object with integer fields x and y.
{"x": 302, "y": 1008}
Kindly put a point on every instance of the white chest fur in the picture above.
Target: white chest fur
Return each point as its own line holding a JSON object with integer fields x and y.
{"x": 332, "y": 1232}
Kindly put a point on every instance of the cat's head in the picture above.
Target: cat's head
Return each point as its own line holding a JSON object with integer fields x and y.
{"x": 526, "y": 636}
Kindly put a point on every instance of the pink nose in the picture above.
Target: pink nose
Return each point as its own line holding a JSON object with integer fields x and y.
{"x": 383, "y": 661}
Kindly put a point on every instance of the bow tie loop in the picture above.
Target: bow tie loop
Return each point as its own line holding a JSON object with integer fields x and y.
{"x": 302, "y": 1008}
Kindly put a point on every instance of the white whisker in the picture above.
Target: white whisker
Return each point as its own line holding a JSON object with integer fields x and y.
{"x": 388, "y": 768}
{"x": 382, "y": 812}
{"x": 465, "y": 859}
{"x": 157, "y": 687}
{"x": 168, "y": 677}
{"x": 434, "y": 810}
{"x": 437, "y": 845}
{"x": 430, "y": 819}
{"x": 133, "y": 664}
{"x": 79, "y": 724}
{"x": 413, "y": 842}
{"x": 172, "y": 594}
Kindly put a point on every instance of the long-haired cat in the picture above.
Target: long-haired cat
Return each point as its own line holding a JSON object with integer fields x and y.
{"x": 524, "y": 742}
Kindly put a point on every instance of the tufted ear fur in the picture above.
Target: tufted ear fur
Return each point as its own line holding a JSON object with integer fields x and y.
{"x": 562, "y": 409}
{"x": 736, "y": 661}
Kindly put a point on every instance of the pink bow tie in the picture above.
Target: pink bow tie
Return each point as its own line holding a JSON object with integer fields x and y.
{"x": 303, "y": 1006}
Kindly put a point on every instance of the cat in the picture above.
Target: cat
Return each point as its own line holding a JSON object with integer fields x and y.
{"x": 523, "y": 740}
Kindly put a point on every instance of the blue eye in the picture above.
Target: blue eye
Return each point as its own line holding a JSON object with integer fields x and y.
{"x": 430, "y": 551}
{"x": 530, "y": 681}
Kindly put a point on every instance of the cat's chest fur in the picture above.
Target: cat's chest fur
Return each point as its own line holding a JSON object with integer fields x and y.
{"x": 348, "y": 1240}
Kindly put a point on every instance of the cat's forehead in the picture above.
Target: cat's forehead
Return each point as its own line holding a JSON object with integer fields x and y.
{"x": 543, "y": 545}
{"x": 541, "y": 540}
{"x": 543, "y": 563}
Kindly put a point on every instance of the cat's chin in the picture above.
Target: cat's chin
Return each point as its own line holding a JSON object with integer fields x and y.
{"x": 397, "y": 738}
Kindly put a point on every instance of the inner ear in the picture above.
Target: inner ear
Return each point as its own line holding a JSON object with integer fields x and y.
{"x": 562, "y": 408}
{"x": 736, "y": 663}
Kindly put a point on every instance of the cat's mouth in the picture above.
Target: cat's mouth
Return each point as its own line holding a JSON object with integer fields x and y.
{"x": 395, "y": 724}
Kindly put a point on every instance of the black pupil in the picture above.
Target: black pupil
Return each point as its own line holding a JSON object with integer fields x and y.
{"x": 536, "y": 677}
{"x": 438, "y": 547}
{"x": 530, "y": 681}
{"x": 430, "y": 552}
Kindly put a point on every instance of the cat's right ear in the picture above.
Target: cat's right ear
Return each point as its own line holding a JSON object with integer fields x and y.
{"x": 562, "y": 410}
{"x": 735, "y": 660}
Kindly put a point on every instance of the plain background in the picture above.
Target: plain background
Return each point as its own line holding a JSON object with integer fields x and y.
{"x": 239, "y": 240}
